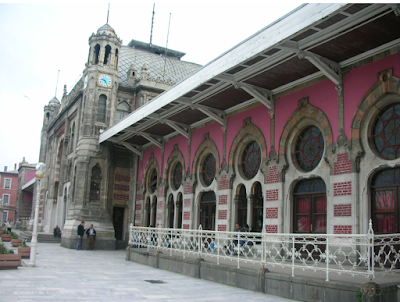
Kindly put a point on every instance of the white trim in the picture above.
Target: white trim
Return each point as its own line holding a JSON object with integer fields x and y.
{"x": 28, "y": 184}
{"x": 5, "y": 180}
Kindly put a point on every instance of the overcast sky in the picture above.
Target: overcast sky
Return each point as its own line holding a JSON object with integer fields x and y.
{"x": 37, "y": 40}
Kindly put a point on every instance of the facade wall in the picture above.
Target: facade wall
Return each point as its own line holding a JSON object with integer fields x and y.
{"x": 346, "y": 166}
{"x": 11, "y": 191}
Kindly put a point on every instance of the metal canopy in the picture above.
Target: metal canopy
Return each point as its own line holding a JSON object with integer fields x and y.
{"x": 312, "y": 41}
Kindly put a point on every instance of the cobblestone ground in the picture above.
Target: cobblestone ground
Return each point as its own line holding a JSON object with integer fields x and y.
{"x": 69, "y": 275}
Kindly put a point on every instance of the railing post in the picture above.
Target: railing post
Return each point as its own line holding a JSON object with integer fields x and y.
{"x": 327, "y": 258}
{"x": 293, "y": 253}
{"x": 170, "y": 243}
{"x": 371, "y": 252}
{"x": 200, "y": 234}
{"x": 238, "y": 249}
{"x": 217, "y": 248}
{"x": 263, "y": 245}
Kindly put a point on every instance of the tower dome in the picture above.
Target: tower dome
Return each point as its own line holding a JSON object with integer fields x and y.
{"x": 54, "y": 101}
{"x": 106, "y": 29}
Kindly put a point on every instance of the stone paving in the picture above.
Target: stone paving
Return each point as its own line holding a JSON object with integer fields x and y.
{"x": 63, "y": 274}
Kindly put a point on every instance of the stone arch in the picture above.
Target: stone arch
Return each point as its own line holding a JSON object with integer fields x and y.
{"x": 248, "y": 130}
{"x": 175, "y": 156}
{"x": 305, "y": 111}
{"x": 206, "y": 145}
{"x": 386, "y": 84}
{"x": 151, "y": 163}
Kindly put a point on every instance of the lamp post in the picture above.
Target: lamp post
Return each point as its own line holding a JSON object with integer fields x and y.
{"x": 40, "y": 169}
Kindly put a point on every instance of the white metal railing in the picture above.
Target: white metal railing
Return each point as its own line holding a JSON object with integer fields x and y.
{"x": 363, "y": 254}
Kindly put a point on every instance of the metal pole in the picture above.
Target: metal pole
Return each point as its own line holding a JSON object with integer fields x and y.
{"x": 32, "y": 258}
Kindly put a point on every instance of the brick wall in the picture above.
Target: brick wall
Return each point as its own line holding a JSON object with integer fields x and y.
{"x": 342, "y": 210}
{"x": 119, "y": 177}
{"x": 159, "y": 216}
{"x": 272, "y": 195}
{"x": 138, "y": 217}
{"x": 188, "y": 188}
{"x": 138, "y": 207}
{"x": 120, "y": 187}
{"x": 121, "y": 197}
{"x": 187, "y": 202}
{"x": 343, "y": 164}
{"x": 273, "y": 175}
{"x": 186, "y": 215}
{"x": 223, "y": 184}
{"x": 186, "y": 226}
{"x": 222, "y": 228}
{"x": 160, "y": 205}
{"x": 139, "y": 197}
{"x": 222, "y": 214}
{"x": 271, "y": 228}
{"x": 342, "y": 229}
{"x": 342, "y": 188}
{"x": 223, "y": 199}
{"x": 271, "y": 213}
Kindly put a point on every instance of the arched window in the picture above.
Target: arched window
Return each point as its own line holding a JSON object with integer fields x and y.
{"x": 177, "y": 176}
{"x": 242, "y": 206}
{"x": 309, "y": 148}
{"x": 209, "y": 168}
{"x": 385, "y": 201}
{"x": 207, "y": 210}
{"x": 123, "y": 109}
{"x": 180, "y": 211}
{"x": 96, "y": 54}
{"x": 310, "y": 206}
{"x": 101, "y": 109}
{"x": 116, "y": 59}
{"x": 148, "y": 212}
{"x": 154, "y": 212}
{"x": 251, "y": 160}
{"x": 107, "y": 55}
{"x": 171, "y": 210}
{"x": 95, "y": 183}
{"x": 153, "y": 181}
{"x": 258, "y": 204}
{"x": 386, "y": 132}
{"x": 72, "y": 138}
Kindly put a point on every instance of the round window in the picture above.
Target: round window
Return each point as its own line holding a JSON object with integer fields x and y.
{"x": 386, "y": 132}
{"x": 251, "y": 160}
{"x": 209, "y": 169}
{"x": 177, "y": 176}
{"x": 153, "y": 181}
{"x": 309, "y": 148}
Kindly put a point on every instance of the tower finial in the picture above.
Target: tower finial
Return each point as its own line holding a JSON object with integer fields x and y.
{"x": 108, "y": 13}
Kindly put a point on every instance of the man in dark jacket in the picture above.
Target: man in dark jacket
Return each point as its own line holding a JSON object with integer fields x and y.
{"x": 91, "y": 232}
{"x": 81, "y": 232}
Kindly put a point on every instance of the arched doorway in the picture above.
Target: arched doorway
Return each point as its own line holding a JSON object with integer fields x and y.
{"x": 242, "y": 206}
{"x": 309, "y": 213}
{"x": 207, "y": 210}
{"x": 180, "y": 210}
{"x": 258, "y": 204}
{"x": 171, "y": 211}
{"x": 385, "y": 193}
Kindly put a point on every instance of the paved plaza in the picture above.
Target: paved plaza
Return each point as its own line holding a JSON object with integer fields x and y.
{"x": 69, "y": 275}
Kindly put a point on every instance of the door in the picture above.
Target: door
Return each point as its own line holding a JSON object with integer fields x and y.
{"x": 118, "y": 220}
{"x": 207, "y": 211}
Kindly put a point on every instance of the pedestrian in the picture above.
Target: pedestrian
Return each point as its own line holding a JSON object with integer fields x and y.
{"x": 57, "y": 231}
{"x": 81, "y": 232}
{"x": 91, "y": 232}
{"x": 8, "y": 226}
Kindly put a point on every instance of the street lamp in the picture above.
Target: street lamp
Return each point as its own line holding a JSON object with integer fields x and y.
{"x": 40, "y": 169}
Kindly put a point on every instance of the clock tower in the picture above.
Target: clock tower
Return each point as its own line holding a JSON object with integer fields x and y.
{"x": 89, "y": 186}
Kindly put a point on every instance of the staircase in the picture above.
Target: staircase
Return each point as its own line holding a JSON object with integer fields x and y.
{"x": 42, "y": 237}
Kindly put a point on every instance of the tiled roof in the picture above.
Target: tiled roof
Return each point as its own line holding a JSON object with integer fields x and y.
{"x": 175, "y": 69}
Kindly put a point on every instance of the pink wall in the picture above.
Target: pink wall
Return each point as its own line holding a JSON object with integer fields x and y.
{"x": 259, "y": 117}
{"x": 30, "y": 175}
{"x": 146, "y": 156}
{"x": 215, "y": 134}
{"x": 358, "y": 81}
{"x": 28, "y": 196}
{"x": 182, "y": 146}
{"x": 322, "y": 95}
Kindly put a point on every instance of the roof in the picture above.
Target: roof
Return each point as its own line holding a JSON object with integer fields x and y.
{"x": 312, "y": 41}
{"x": 106, "y": 28}
{"x": 139, "y": 54}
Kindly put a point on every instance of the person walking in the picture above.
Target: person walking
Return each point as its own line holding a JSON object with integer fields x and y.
{"x": 91, "y": 232}
{"x": 81, "y": 232}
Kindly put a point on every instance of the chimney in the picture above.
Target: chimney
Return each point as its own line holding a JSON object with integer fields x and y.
{"x": 5, "y": 168}
{"x": 15, "y": 166}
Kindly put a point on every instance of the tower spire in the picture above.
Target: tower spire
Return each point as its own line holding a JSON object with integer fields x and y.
{"x": 57, "y": 83}
{"x": 108, "y": 12}
{"x": 152, "y": 22}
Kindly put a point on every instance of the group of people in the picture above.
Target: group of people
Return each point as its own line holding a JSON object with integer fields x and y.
{"x": 90, "y": 232}
{"x": 240, "y": 229}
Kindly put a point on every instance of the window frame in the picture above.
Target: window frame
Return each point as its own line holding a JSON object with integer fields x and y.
{"x": 5, "y": 181}
{"x": 8, "y": 203}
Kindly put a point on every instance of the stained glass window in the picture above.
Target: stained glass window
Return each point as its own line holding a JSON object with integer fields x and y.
{"x": 386, "y": 132}
{"x": 258, "y": 203}
{"x": 153, "y": 181}
{"x": 209, "y": 169}
{"x": 177, "y": 176}
{"x": 251, "y": 160}
{"x": 387, "y": 177}
{"x": 309, "y": 148}
{"x": 310, "y": 186}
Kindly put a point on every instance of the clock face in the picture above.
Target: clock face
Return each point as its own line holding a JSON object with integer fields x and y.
{"x": 105, "y": 80}
{"x": 85, "y": 84}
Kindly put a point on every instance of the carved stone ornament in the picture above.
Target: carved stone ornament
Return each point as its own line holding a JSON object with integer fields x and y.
{"x": 302, "y": 103}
